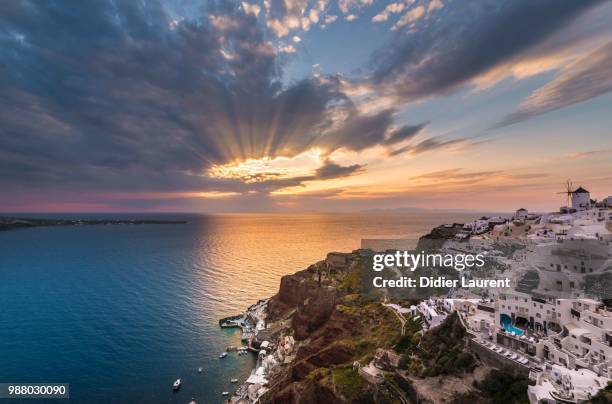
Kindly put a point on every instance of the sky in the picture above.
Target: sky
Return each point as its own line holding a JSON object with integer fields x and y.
{"x": 295, "y": 105}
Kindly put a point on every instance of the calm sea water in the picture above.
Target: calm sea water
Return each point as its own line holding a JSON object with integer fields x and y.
{"x": 120, "y": 312}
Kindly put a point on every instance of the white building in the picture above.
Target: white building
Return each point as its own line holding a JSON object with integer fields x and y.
{"x": 575, "y": 333}
{"x": 556, "y": 384}
{"x": 432, "y": 312}
{"x": 581, "y": 199}
{"x": 522, "y": 213}
{"x": 567, "y": 342}
{"x": 478, "y": 226}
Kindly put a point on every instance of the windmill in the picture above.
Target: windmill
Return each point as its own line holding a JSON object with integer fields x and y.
{"x": 569, "y": 191}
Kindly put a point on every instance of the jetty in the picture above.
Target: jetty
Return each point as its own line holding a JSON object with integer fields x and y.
{"x": 249, "y": 322}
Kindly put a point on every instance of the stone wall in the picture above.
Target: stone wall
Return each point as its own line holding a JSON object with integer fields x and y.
{"x": 495, "y": 360}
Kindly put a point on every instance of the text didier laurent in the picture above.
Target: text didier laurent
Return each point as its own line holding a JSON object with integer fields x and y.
{"x": 439, "y": 282}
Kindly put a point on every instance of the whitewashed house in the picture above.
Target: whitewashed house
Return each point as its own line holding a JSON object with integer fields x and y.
{"x": 522, "y": 213}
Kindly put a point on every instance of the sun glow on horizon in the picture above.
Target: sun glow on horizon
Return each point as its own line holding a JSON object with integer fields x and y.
{"x": 269, "y": 168}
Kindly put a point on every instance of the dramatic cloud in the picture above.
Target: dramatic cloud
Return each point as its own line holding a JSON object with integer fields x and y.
{"x": 331, "y": 170}
{"x": 248, "y": 8}
{"x": 455, "y": 173}
{"x": 587, "y": 78}
{"x": 434, "y": 5}
{"x": 404, "y": 133}
{"x": 460, "y": 176}
{"x": 123, "y": 97}
{"x": 467, "y": 41}
{"x": 359, "y": 132}
{"x": 287, "y": 49}
{"x": 590, "y": 153}
{"x": 390, "y": 9}
{"x": 347, "y": 5}
{"x": 429, "y": 144}
{"x": 330, "y": 19}
{"x": 285, "y": 16}
{"x": 411, "y": 16}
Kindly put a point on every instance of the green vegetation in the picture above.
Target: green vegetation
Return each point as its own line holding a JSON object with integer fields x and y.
{"x": 372, "y": 326}
{"x": 352, "y": 388}
{"x": 499, "y": 386}
{"x": 408, "y": 344}
{"x": 347, "y": 381}
{"x": 604, "y": 396}
{"x": 442, "y": 351}
{"x": 504, "y": 386}
{"x": 352, "y": 281}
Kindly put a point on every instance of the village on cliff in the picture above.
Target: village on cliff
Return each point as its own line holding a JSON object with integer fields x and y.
{"x": 552, "y": 331}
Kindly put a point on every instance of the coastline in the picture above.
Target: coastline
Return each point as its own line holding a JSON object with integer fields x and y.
{"x": 292, "y": 363}
{"x": 13, "y": 223}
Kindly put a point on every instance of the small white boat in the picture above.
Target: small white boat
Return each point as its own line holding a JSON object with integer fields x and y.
{"x": 193, "y": 401}
{"x": 199, "y": 370}
{"x": 225, "y": 393}
{"x": 223, "y": 355}
{"x": 176, "y": 385}
{"x": 234, "y": 380}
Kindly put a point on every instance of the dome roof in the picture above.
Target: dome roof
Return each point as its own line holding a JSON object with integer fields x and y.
{"x": 580, "y": 190}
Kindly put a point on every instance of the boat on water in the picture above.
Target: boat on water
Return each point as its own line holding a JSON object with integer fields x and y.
{"x": 225, "y": 393}
{"x": 176, "y": 385}
{"x": 199, "y": 370}
{"x": 223, "y": 355}
{"x": 193, "y": 401}
{"x": 234, "y": 380}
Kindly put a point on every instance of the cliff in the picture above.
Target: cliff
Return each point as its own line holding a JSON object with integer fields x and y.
{"x": 350, "y": 348}
{"x": 333, "y": 327}
{"x": 438, "y": 235}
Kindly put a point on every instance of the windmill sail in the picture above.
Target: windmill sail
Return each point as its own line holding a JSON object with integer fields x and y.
{"x": 569, "y": 191}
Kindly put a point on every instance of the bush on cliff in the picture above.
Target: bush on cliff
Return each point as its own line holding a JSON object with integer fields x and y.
{"x": 352, "y": 281}
{"x": 347, "y": 381}
{"x": 406, "y": 345}
{"x": 504, "y": 386}
{"x": 442, "y": 350}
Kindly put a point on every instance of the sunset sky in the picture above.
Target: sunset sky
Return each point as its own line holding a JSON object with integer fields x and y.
{"x": 292, "y": 105}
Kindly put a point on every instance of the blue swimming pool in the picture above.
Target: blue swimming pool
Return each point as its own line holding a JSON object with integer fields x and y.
{"x": 506, "y": 322}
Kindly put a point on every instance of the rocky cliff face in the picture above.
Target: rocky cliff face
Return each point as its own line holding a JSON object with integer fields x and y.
{"x": 339, "y": 333}
{"x": 438, "y": 235}
{"x": 301, "y": 298}
{"x": 334, "y": 327}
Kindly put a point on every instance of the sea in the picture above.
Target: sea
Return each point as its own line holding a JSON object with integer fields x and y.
{"x": 121, "y": 311}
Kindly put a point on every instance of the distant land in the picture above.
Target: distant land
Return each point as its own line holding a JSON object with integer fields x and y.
{"x": 410, "y": 209}
{"x": 11, "y": 223}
